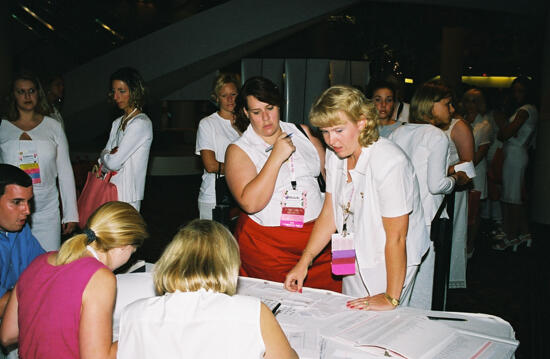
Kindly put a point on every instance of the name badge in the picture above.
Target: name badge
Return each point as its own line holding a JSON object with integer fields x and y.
{"x": 28, "y": 160}
{"x": 343, "y": 254}
{"x": 293, "y": 208}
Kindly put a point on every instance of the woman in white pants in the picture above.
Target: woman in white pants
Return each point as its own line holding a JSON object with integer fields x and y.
{"x": 428, "y": 148}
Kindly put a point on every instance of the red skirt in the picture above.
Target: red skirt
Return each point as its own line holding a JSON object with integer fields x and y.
{"x": 271, "y": 252}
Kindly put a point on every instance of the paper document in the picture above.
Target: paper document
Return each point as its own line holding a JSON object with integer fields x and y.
{"x": 467, "y": 167}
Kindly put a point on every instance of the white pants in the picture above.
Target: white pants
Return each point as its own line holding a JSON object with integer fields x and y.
{"x": 375, "y": 280}
{"x": 422, "y": 290}
{"x": 45, "y": 220}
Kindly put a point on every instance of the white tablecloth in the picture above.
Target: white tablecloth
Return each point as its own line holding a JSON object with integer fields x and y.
{"x": 318, "y": 325}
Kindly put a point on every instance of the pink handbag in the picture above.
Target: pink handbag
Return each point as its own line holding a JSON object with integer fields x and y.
{"x": 96, "y": 192}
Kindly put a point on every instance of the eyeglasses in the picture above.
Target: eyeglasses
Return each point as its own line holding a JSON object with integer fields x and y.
{"x": 22, "y": 92}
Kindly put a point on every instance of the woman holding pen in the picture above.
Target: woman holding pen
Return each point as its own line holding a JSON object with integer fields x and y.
{"x": 271, "y": 171}
{"x": 372, "y": 203}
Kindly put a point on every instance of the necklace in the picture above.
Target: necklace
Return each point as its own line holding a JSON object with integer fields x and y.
{"x": 94, "y": 253}
{"x": 126, "y": 118}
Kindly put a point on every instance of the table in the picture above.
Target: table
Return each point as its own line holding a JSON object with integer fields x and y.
{"x": 318, "y": 325}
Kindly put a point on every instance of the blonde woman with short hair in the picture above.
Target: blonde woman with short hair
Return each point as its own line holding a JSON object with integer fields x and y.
{"x": 215, "y": 133}
{"x": 198, "y": 314}
{"x": 76, "y": 288}
{"x": 372, "y": 200}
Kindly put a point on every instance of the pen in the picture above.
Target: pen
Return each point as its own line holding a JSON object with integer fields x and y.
{"x": 274, "y": 310}
{"x": 447, "y": 318}
{"x": 271, "y": 147}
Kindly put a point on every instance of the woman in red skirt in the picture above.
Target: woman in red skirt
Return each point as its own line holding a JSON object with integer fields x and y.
{"x": 272, "y": 171}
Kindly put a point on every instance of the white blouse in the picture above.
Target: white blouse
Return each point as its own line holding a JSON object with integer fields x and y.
{"x": 215, "y": 134}
{"x": 428, "y": 149}
{"x": 130, "y": 160}
{"x": 202, "y": 324}
{"x": 384, "y": 186}
{"x": 53, "y": 159}
{"x": 307, "y": 167}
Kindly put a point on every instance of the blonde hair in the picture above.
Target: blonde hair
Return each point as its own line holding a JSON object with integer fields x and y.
{"x": 203, "y": 254}
{"x": 115, "y": 224}
{"x": 344, "y": 99}
{"x": 423, "y": 100}
{"x": 223, "y": 79}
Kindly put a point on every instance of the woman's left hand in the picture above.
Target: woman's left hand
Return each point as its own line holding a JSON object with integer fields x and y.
{"x": 69, "y": 228}
{"x": 376, "y": 302}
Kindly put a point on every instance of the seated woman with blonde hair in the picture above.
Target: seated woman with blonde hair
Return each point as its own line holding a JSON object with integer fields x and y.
{"x": 197, "y": 314}
{"x": 62, "y": 305}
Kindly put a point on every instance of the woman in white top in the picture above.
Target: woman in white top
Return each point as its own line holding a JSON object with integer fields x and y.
{"x": 476, "y": 109}
{"x": 215, "y": 133}
{"x": 372, "y": 200}
{"x": 198, "y": 314}
{"x": 36, "y": 143}
{"x": 127, "y": 150}
{"x": 461, "y": 149}
{"x": 518, "y": 137}
{"x": 428, "y": 148}
{"x": 272, "y": 172}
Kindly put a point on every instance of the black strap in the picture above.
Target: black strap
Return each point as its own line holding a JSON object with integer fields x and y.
{"x": 399, "y": 110}
{"x": 302, "y": 130}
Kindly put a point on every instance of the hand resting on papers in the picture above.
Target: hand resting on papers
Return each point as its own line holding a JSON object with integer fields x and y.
{"x": 376, "y": 302}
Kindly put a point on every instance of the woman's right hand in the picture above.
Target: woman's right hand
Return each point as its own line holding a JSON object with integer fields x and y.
{"x": 295, "y": 278}
{"x": 461, "y": 178}
{"x": 283, "y": 148}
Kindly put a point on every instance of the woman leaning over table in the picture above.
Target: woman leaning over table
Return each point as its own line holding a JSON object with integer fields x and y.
{"x": 372, "y": 197}
{"x": 31, "y": 140}
{"x": 127, "y": 150}
{"x": 277, "y": 188}
{"x": 215, "y": 133}
{"x": 76, "y": 289}
{"x": 198, "y": 313}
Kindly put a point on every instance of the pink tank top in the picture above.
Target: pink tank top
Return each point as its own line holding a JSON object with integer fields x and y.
{"x": 50, "y": 299}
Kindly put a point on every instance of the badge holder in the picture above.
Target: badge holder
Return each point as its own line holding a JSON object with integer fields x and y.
{"x": 343, "y": 253}
{"x": 293, "y": 208}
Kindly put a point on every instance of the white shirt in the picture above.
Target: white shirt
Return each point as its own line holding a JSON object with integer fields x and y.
{"x": 215, "y": 134}
{"x": 201, "y": 324}
{"x": 404, "y": 115}
{"x": 481, "y": 128}
{"x": 130, "y": 161}
{"x": 53, "y": 160}
{"x": 428, "y": 148}
{"x": 453, "y": 152}
{"x": 307, "y": 167}
{"x": 525, "y": 137}
{"x": 384, "y": 186}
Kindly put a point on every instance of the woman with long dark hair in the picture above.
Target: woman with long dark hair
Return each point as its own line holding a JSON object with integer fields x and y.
{"x": 127, "y": 150}
{"x": 518, "y": 137}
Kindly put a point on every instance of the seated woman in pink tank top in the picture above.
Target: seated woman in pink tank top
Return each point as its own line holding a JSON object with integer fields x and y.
{"x": 63, "y": 303}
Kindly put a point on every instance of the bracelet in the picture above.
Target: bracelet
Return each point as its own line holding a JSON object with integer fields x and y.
{"x": 393, "y": 301}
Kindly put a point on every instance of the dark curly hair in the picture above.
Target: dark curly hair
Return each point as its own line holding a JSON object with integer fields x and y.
{"x": 135, "y": 83}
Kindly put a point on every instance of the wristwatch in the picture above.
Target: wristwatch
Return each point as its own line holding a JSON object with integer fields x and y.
{"x": 393, "y": 301}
